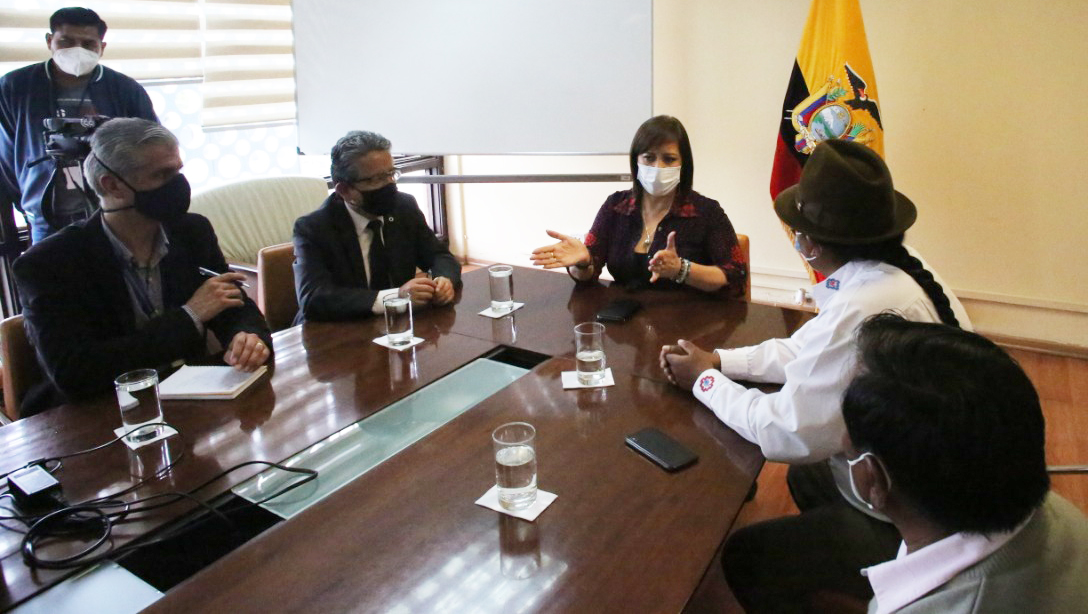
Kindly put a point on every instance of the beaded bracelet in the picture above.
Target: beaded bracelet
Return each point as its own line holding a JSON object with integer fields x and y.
{"x": 685, "y": 268}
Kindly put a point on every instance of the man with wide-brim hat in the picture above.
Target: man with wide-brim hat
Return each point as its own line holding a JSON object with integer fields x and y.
{"x": 845, "y": 196}
{"x": 849, "y": 222}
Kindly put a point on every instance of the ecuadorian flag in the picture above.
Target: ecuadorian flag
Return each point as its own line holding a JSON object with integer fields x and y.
{"x": 832, "y": 91}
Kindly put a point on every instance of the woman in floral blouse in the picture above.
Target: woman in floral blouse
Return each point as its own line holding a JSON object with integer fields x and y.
{"x": 661, "y": 233}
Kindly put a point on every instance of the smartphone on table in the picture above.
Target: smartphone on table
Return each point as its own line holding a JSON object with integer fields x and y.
{"x": 619, "y": 310}
{"x": 662, "y": 450}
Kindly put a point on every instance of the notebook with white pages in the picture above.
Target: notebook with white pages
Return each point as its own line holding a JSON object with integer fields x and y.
{"x": 207, "y": 383}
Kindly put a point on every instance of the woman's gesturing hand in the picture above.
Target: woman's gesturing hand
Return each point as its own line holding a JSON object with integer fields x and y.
{"x": 569, "y": 251}
{"x": 666, "y": 262}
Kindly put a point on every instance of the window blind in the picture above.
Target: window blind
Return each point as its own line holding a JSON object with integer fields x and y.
{"x": 249, "y": 65}
{"x": 242, "y": 50}
{"x": 146, "y": 39}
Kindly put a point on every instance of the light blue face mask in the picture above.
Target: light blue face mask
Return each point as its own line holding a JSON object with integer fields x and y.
{"x": 797, "y": 246}
{"x": 850, "y": 472}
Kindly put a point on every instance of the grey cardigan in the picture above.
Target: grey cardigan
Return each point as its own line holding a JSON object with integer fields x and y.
{"x": 1044, "y": 568}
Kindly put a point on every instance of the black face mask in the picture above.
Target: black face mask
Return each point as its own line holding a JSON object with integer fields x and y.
{"x": 380, "y": 202}
{"x": 165, "y": 203}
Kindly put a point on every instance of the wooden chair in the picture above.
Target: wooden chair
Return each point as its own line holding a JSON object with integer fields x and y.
{"x": 742, "y": 241}
{"x": 276, "y": 285}
{"x": 20, "y": 364}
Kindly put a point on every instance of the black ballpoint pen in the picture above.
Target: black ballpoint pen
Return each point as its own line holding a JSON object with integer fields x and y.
{"x": 210, "y": 273}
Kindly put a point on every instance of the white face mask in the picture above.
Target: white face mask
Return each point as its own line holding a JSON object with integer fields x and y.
{"x": 658, "y": 181}
{"x": 75, "y": 61}
{"x": 850, "y": 471}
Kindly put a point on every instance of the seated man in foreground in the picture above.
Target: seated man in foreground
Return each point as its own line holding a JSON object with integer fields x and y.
{"x": 123, "y": 290}
{"x": 946, "y": 437}
{"x": 849, "y": 223}
{"x": 367, "y": 240}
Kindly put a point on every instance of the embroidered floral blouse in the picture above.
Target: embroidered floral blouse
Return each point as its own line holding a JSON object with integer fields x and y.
{"x": 703, "y": 235}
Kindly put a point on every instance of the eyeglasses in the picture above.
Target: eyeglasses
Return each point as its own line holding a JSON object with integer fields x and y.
{"x": 379, "y": 178}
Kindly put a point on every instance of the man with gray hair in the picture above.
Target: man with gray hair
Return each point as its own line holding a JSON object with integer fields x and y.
{"x": 367, "y": 241}
{"x": 124, "y": 289}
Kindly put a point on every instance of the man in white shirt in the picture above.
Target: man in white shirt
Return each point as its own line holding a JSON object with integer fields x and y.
{"x": 946, "y": 438}
{"x": 849, "y": 223}
{"x": 367, "y": 241}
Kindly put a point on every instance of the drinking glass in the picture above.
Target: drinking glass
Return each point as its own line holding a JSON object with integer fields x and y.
{"x": 589, "y": 352}
{"x": 502, "y": 287}
{"x": 138, "y": 397}
{"x": 515, "y": 464}
{"x": 398, "y": 320}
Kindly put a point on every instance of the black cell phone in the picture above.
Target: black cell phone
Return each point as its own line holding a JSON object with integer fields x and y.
{"x": 663, "y": 450}
{"x": 619, "y": 310}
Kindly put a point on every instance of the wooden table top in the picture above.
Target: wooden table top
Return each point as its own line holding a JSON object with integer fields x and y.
{"x": 554, "y": 304}
{"x": 328, "y": 376}
{"x": 407, "y": 536}
{"x": 621, "y": 526}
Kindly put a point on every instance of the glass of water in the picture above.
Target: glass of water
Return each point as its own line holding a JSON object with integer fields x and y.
{"x": 515, "y": 464}
{"x": 589, "y": 352}
{"x": 398, "y": 320}
{"x": 138, "y": 397}
{"x": 502, "y": 287}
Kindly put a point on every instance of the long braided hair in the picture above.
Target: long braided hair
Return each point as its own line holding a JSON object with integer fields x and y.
{"x": 892, "y": 252}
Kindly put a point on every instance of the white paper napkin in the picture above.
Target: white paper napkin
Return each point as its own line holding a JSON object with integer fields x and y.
{"x": 384, "y": 342}
{"x": 490, "y": 500}
{"x": 488, "y": 313}
{"x": 164, "y": 432}
{"x": 570, "y": 380}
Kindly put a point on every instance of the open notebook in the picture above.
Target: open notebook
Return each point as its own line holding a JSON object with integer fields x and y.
{"x": 207, "y": 382}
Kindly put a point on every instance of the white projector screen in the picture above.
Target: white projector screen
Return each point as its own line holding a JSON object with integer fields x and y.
{"x": 474, "y": 76}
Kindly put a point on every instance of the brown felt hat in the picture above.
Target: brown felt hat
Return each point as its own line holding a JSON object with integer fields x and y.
{"x": 845, "y": 196}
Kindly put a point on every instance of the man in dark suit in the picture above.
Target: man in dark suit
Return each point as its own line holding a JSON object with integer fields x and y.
{"x": 123, "y": 290}
{"x": 367, "y": 240}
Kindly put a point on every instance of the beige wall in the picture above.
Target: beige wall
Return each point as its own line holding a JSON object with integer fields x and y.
{"x": 985, "y": 109}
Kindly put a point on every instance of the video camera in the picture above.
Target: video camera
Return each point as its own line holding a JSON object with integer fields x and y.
{"x": 68, "y": 139}
{"x": 67, "y": 143}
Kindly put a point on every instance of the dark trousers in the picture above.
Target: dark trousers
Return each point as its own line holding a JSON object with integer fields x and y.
{"x": 795, "y": 563}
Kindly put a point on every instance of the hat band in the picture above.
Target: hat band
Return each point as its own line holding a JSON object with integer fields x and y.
{"x": 847, "y": 222}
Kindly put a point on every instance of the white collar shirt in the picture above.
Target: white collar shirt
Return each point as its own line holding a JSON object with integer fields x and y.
{"x": 802, "y": 423}
{"x": 366, "y": 238}
{"x": 908, "y": 577}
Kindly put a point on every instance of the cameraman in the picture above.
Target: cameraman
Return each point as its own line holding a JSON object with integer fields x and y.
{"x": 52, "y": 193}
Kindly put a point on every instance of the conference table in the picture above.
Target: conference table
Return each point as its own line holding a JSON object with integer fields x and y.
{"x": 406, "y": 534}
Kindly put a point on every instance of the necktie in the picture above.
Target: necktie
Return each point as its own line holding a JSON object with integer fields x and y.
{"x": 379, "y": 258}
